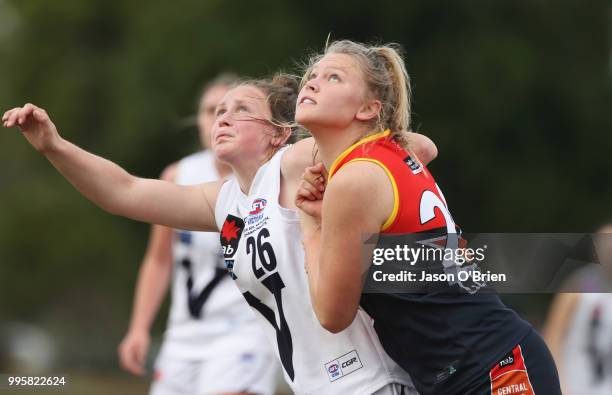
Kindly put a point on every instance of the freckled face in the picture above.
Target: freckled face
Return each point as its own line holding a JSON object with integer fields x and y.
{"x": 242, "y": 126}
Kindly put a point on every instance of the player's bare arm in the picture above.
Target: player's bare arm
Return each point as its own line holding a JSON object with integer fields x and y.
{"x": 111, "y": 187}
{"x": 333, "y": 251}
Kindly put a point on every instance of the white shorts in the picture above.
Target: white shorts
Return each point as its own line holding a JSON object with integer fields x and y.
{"x": 396, "y": 389}
{"x": 255, "y": 373}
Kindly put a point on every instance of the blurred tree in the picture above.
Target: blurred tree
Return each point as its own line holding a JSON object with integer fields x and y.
{"x": 515, "y": 93}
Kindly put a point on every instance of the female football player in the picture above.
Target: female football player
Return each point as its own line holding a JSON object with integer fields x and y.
{"x": 356, "y": 103}
{"x": 212, "y": 343}
{"x": 579, "y": 325}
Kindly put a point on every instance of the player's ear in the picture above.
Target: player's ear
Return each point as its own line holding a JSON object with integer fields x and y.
{"x": 281, "y": 137}
{"x": 369, "y": 110}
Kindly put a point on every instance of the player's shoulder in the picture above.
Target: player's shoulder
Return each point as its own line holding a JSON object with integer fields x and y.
{"x": 297, "y": 157}
{"x": 359, "y": 174}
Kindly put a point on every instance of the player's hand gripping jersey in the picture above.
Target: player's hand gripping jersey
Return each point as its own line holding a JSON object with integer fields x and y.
{"x": 443, "y": 339}
{"x": 263, "y": 251}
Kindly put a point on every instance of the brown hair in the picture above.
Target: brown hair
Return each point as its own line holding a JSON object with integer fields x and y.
{"x": 281, "y": 96}
{"x": 386, "y": 79}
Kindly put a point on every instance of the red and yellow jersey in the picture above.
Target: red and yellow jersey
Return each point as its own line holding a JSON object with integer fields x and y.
{"x": 444, "y": 338}
{"x": 416, "y": 195}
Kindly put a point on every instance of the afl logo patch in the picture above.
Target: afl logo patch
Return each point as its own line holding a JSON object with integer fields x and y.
{"x": 341, "y": 366}
{"x": 257, "y": 206}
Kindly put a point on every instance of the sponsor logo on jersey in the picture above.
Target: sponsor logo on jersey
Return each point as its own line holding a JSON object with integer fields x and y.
{"x": 258, "y": 206}
{"x": 340, "y": 367}
{"x": 230, "y": 235}
{"x": 333, "y": 370}
{"x": 413, "y": 164}
{"x": 256, "y": 213}
{"x": 510, "y": 376}
{"x": 507, "y": 360}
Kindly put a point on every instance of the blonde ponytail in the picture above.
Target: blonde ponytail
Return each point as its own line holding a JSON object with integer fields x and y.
{"x": 386, "y": 79}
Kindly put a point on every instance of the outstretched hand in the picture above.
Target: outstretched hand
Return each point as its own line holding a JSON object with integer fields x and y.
{"x": 35, "y": 124}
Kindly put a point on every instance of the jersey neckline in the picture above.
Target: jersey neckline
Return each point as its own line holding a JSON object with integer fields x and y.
{"x": 347, "y": 151}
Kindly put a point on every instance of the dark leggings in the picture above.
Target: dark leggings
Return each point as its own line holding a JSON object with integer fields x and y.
{"x": 541, "y": 369}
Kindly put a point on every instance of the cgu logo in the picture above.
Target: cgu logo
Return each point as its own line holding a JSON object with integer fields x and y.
{"x": 349, "y": 362}
{"x": 258, "y": 206}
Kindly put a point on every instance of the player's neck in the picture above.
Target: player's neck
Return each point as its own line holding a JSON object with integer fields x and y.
{"x": 245, "y": 169}
{"x": 332, "y": 142}
{"x": 223, "y": 169}
{"x": 245, "y": 176}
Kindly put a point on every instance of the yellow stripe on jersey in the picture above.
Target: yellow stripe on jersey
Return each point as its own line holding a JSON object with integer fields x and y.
{"x": 349, "y": 149}
{"x": 393, "y": 214}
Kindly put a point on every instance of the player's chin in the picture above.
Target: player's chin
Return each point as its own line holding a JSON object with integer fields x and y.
{"x": 306, "y": 116}
{"x": 223, "y": 150}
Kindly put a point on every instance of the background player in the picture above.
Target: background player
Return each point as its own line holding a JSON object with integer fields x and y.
{"x": 212, "y": 343}
{"x": 579, "y": 326}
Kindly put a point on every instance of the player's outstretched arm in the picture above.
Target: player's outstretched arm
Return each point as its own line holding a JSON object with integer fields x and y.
{"x": 111, "y": 187}
{"x": 151, "y": 287}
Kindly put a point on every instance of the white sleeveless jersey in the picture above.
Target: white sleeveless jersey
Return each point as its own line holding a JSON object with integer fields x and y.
{"x": 587, "y": 350}
{"x": 263, "y": 251}
{"x": 208, "y": 315}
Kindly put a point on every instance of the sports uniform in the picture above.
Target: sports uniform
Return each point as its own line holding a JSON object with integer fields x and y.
{"x": 212, "y": 343}
{"x": 587, "y": 347}
{"x": 450, "y": 342}
{"x": 263, "y": 251}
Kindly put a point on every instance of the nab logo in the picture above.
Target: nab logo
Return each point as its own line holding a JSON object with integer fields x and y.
{"x": 228, "y": 250}
{"x": 230, "y": 235}
{"x": 509, "y": 360}
{"x": 258, "y": 206}
{"x": 349, "y": 362}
